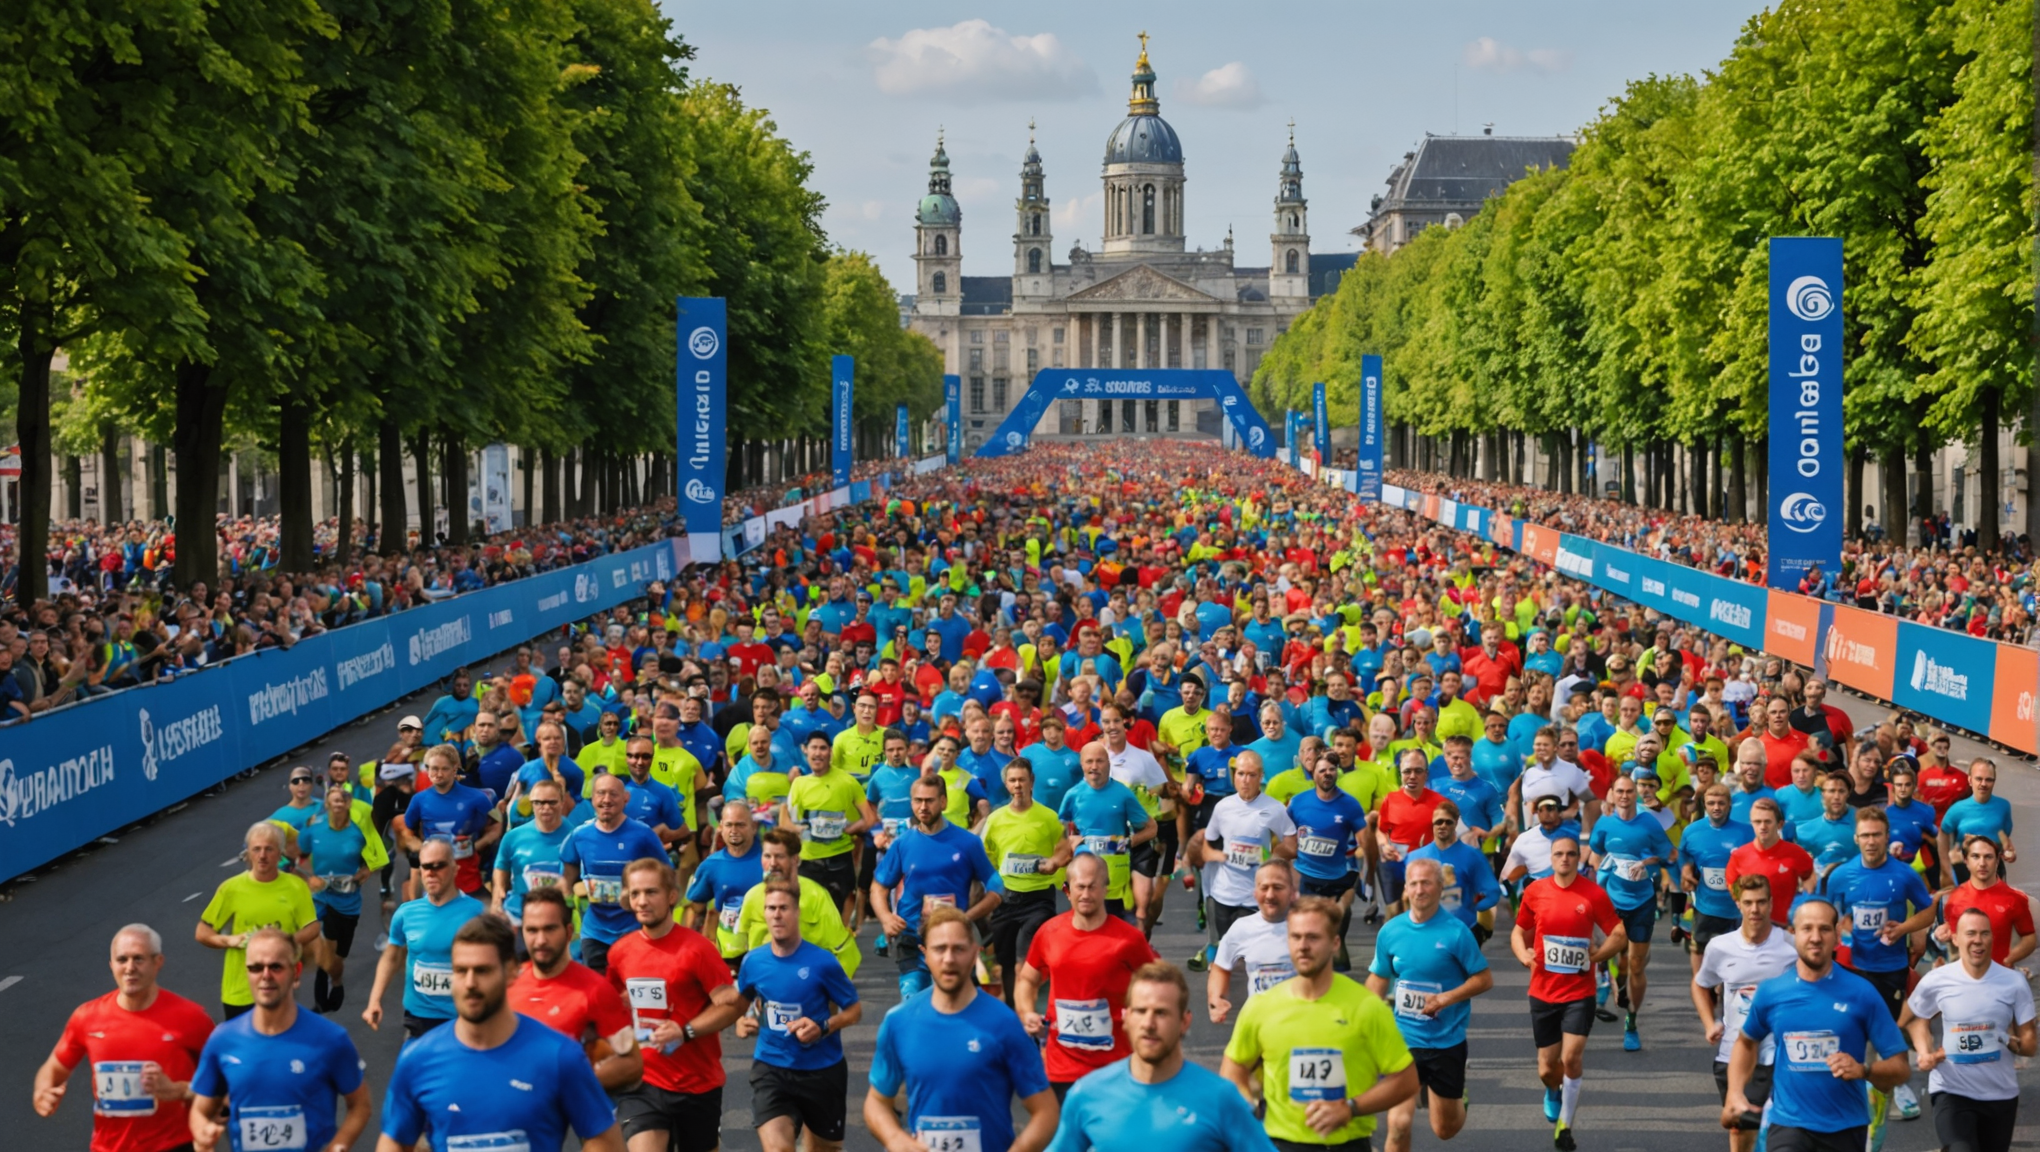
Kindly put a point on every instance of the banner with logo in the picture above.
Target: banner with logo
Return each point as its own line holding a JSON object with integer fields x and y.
{"x": 1794, "y": 625}
{"x": 1945, "y": 674}
{"x": 952, "y": 407}
{"x": 903, "y": 433}
{"x": 1321, "y": 425}
{"x": 842, "y": 425}
{"x": 703, "y": 383}
{"x": 1369, "y": 467}
{"x": 1806, "y": 513}
{"x": 1289, "y": 433}
{"x": 1016, "y": 431}
{"x": 1861, "y": 651}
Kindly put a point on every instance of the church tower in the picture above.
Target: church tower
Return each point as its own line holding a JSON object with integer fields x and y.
{"x": 1143, "y": 173}
{"x": 938, "y": 243}
{"x": 1033, "y": 242}
{"x": 1289, "y": 265}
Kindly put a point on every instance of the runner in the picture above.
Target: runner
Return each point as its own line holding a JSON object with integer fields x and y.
{"x": 1877, "y": 895}
{"x": 1986, "y": 1010}
{"x": 1829, "y": 838}
{"x": 1087, "y": 957}
{"x": 1244, "y": 830}
{"x": 796, "y": 1000}
{"x": 448, "y": 810}
{"x": 142, "y": 1042}
{"x": 1554, "y": 939}
{"x": 1150, "y": 860}
{"x": 1155, "y": 1100}
{"x": 1630, "y": 850}
{"x": 1981, "y": 813}
{"x": 651, "y": 803}
{"x": 592, "y": 859}
{"x": 960, "y": 1056}
{"x": 528, "y": 857}
{"x": 1027, "y": 848}
{"x": 1327, "y": 1049}
{"x": 1328, "y": 825}
{"x": 1530, "y": 856}
{"x": 571, "y": 998}
{"x": 1256, "y": 945}
{"x": 337, "y": 856}
{"x": 2012, "y": 938}
{"x": 1704, "y": 849}
{"x": 1108, "y": 819}
{"x": 262, "y": 897}
{"x": 1787, "y": 866}
{"x": 724, "y": 878}
{"x": 1429, "y": 989}
{"x": 1732, "y": 965}
{"x": 831, "y": 812}
{"x": 270, "y": 1077}
{"x": 1824, "y": 1018}
{"x": 680, "y": 997}
{"x": 494, "y": 1080}
{"x": 1403, "y": 822}
{"x": 821, "y": 922}
{"x": 932, "y": 864}
{"x": 421, "y": 946}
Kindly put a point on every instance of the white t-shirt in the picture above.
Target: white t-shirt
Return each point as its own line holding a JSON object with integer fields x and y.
{"x": 1736, "y": 966}
{"x": 1563, "y": 779}
{"x": 1261, "y": 946}
{"x": 1532, "y": 850}
{"x": 1977, "y": 1017}
{"x": 1136, "y": 767}
{"x": 1249, "y": 832}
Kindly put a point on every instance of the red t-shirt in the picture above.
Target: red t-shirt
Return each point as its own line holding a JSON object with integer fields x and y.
{"x": 889, "y": 698}
{"x": 1779, "y": 752}
{"x": 1408, "y": 821}
{"x": 1942, "y": 787}
{"x": 1784, "y": 864}
{"x": 578, "y": 1003}
{"x": 749, "y": 657}
{"x": 170, "y": 1032}
{"x": 670, "y": 979}
{"x": 1560, "y": 921}
{"x": 2006, "y": 906}
{"x": 1087, "y": 972}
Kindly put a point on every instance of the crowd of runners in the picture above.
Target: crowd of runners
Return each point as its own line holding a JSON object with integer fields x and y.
{"x": 979, "y": 730}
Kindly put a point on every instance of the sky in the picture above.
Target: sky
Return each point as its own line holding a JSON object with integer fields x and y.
{"x": 865, "y": 87}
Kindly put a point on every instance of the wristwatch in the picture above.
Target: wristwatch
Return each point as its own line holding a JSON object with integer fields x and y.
{"x": 687, "y": 1033}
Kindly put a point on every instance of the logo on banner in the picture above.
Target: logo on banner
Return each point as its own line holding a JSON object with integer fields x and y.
{"x": 1255, "y": 438}
{"x": 1842, "y": 650}
{"x": 1728, "y": 612}
{"x": 273, "y": 700}
{"x": 1940, "y": 679}
{"x": 1809, "y": 298}
{"x": 429, "y": 643}
{"x": 699, "y": 492}
{"x": 586, "y": 588}
{"x": 1801, "y": 512}
{"x": 24, "y": 797}
{"x": 702, "y": 342}
{"x": 1072, "y": 386}
{"x": 1014, "y": 439}
{"x": 355, "y": 669}
{"x": 161, "y": 745}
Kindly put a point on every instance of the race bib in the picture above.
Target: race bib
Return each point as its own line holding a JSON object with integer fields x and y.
{"x": 825, "y": 826}
{"x": 1317, "y": 1074}
{"x": 1869, "y": 918}
{"x": 605, "y": 889}
{"x": 1808, "y": 1051}
{"x": 1715, "y": 878}
{"x": 949, "y": 1133}
{"x": 933, "y": 900}
{"x": 1566, "y": 955}
{"x": 1021, "y": 864}
{"x": 341, "y": 885}
{"x": 1973, "y": 1043}
{"x": 647, "y": 993}
{"x": 1106, "y": 845}
{"x": 726, "y": 918}
{"x": 1243, "y": 854}
{"x": 535, "y": 877}
{"x": 780, "y": 1017}
{"x": 1084, "y": 1024}
{"x": 271, "y": 1128}
{"x": 1321, "y": 847}
{"x": 463, "y": 847}
{"x": 1410, "y": 996}
{"x": 1265, "y": 976}
{"x": 511, "y": 1141}
{"x": 432, "y": 979}
{"x": 1390, "y": 850}
{"x": 117, "y": 1089}
{"x": 891, "y": 824}
{"x": 1626, "y": 867}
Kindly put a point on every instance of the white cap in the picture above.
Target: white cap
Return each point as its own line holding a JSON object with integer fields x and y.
{"x": 390, "y": 772}
{"x": 410, "y": 722}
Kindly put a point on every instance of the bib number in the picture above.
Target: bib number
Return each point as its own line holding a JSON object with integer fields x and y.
{"x": 1809, "y": 1051}
{"x": 1243, "y": 854}
{"x": 1390, "y": 850}
{"x": 511, "y": 1141}
{"x": 933, "y": 900}
{"x": 535, "y": 878}
{"x": 1084, "y": 1024}
{"x": 1317, "y": 1074}
{"x": 1626, "y": 867}
{"x": 726, "y": 919}
{"x": 463, "y": 847}
{"x": 1715, "y": 878}
{"x": 117, "y": 1089}
{"x": 1565, "y": 955}
{"x": 272, "y": 1128}
{"x": 1869, "y": 919}
{"x": 780, "y": 1017}
{"x": 605, "y": 889}
{"x": 949, "y": 1133}
{"x": 891, "y": 824}
{"x": 825, "y": 826}
{"x": 1106, "y": 845}
{"x": 432, "y": 979}
{"x": 1973, "y": 1043}
{"x": 1266, "y": 976}
{"x": 341, "y": 885}
{"x": 1410, "y": 996}
{"x": 1021, "y": 864}
{"x": 647, "y": 993}
{"x": 1321, "y": 847}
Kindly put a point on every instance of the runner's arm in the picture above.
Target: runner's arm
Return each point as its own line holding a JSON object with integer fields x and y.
{"x": 1217, "y": 986}
{"x": 50, "y": 1082}
{"x": 1742, "y": 1062}
{"x": 354, "y": 1122}
{"x": 212, "y": 937}
{"x": 1703, "y": 1003}
{"x": 386, "y": 967}
{"x": 618, "y": 1061}
{"x": 1284, "y": 848}
{"x": 1241, "y": 1076}
{"x": 724, "y": 1006}
{"x": 884, "y": 1124}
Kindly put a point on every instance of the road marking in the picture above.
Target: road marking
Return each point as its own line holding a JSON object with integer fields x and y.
{"x": 230, "y": 863}
{"x": 193, "y": 896}
{"x": 10, "y": 982}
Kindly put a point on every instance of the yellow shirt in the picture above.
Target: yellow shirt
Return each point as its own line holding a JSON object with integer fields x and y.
{"x": 243, "y": 904}
{"x": 857, "y": 753}
{"x": 820, "y": 923}
{"x": 1350, "y": 1026}
{"x": 823, "y": 806}
{"x": 597, "y": 757}
{"x": 677, "y": 769}
{"x": 1015, "y": 841}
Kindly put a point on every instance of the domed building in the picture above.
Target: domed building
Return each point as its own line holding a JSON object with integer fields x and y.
{"x": 1142, "y": 299}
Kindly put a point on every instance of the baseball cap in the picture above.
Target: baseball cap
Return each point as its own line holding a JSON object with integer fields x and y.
{"x": 410, "y": 722}
{"x": 390, "y": 772}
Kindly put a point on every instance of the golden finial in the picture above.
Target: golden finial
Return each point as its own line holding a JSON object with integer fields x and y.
{"x": 1143, "y": 49}
{"x": 1030, "y": 131}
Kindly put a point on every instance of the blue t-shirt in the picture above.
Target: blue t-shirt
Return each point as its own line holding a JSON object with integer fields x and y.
{"x": 425, "y": 931}
{"x": 448, "y": 720}
{"x": 280, "y": 1089}
{"x": 1416, "y": 959}
{"x": 336, "y": 854}
{"x": 989, "y": 767}
{"x": 1828, "y": 841}
{"x": 800, "y": 720}
{"x": 1471, "y": 887}
{"x": 938, "y": 867}
{"x": 1841, "y": 1009}
{"x": 1056, "y": 771}
{"x": 1911, "y": 825}
{"x": 1593, "y": 730}
{"x": 1111, "y": 811}
{"x": 740, "y": 776}
{"x": 722, "y": 880}
{"x": 531, "y": 856}
{"x": 1969, "y": 817}
{"x": 1622, "y": 842}
{"x": 1796, "y": 806}
{"x": 1739, "y": 803}
{"x": 496, "y": 767}
{"x": 1192, "y": 1111}
{"x": 652, "y": 804}
{"x": 532, "y": 772}
{"x": 960, "y": 1070}
{"x": 787, "y": 988}
{"x": 890, "y": 791}
{"x": 601, "y": 857}
{"x": 1214, "y": 766}
{"x": 522, "y": 1094}
{"x": 459, "y": 816}
{"x": 1707, "y": 849}
{"x": 1325, "y": 832}
{"x": 1498, "y": 764}
{"x": 1870, "y": 898}
{"x": 1479, "y": 802}
{"x": 950, "y": 631}
{"x": 1277, "y": 756}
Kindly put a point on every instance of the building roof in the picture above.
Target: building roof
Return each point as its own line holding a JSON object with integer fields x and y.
{"x": 1325, "y": 270}
{"x": 1458, "y": 173}
{"x": 987, "y": 295}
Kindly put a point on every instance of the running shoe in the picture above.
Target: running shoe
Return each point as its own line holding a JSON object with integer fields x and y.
{"x": 1908, "y": 1102}
{"x": 1631, "y": 1042}
{"x": 1553, "y": 1101}
{"x": 1561, "y": 1139}
{"x": 1196, "y": 963}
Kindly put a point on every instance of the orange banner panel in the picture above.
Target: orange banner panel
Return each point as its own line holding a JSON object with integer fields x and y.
{"x": 2011, "y": 701}
{"x": 1792, "y": 627}
{"x": 1862, "y": 650}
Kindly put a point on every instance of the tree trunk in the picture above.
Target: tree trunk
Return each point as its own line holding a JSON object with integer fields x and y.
{"x": 1585, "y": 455}
{"x": 1763, "y": 455}
{"x": 1629, "y": 474}
{"x": 1738, "y": 479}
{"x": 294, "y": 481}
{"x": 371, "y": 509}
{"x": 1988, "y": 486}
{"x": 109, "y": 473}
{"x": 1853, "y": 482}
{"x": 428, "y": 511}
{"x": 456, "y": 473}
{"x": 529, "y": 466}
{"x": 343, "y": 543}
{"x": 549, "y": 464}
{"x": 32, "y": 426}
{"x": 1923, "y": 479}
{"x": 1565, "y": 468}
{"x": 201, "y": 411}
{"x": 395, "y": 515}
{"x": 1700, "y": 483}
{"x": 1891, "y": 470}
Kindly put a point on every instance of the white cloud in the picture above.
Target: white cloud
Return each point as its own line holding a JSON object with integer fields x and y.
{"x": 1073, "y": 216}
{"x": 975, "y": 189}
{"x": 873, "y": 209}
{"x": 974, "y": 62}
{"x": 1488, "y": 54}
{"x": 1227, "y": 86}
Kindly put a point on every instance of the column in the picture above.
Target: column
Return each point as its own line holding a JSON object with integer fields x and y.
{"x": 1118, "y": 340}
{"x": 1140, "y": 320}
{"x": 1184, "y": 320}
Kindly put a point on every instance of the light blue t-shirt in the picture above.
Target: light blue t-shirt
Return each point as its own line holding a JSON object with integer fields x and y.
{"x": 1417, "y": 959}
{"x": 1277, "y": 756}
{"x": 1840, "y": 1012}
{"x": 788, "y": 988}
{"x": 1828, "y": 841}
{"x": 961, "y": 1070}
{"x": 1796, "y": 806}
{"x": 1624, "y": 844}
{"x": 336, "y": 855}
{"x": 1196, "y": 1110}
{"x": 1472, "y": 888}
{"x": 1056, "y": 771}
{"x": 1111, "y": 811}
{"x": 1968, "y": 817}
{"x": 1325, "y": 832}
{"x": 531, "y": 856}
{"x": 1498, "y": 764}
{"x": 1707, "y": 848}
{"x": 425, "y": 931}
{"x": 1479, "y": 803}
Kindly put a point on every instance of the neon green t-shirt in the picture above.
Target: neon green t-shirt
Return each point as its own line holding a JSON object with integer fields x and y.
{"x": 823, "y": 806}
{"x": 243, "y": 904}
{"x": 1017, "y": 841}
{"x": 856, "y": 753}
{"x": 1331, "y": 1048}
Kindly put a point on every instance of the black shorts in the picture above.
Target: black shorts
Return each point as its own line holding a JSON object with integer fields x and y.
{"x": 1966, "y": 1125}
{"x": 1706, "y": 928}
{"x": 1442, "y": 1071}
{"x": 1757, "y": 1091}
{"x": 1890, "y": 987}
{"x": 594, "y": 954}
{"x": 814, "y": 1100}
{"x": 1641, "y": 921}
{"x": 1329, "y": 889}
{"x": 416, "y": 1026}
{"x": 691, "y": 1122}
{"x": 339, "y": 928}
{"x": 836, "y": 873}
{"x": 1549, "y": 1021}
{"x": 1363, "y": 1144}
{"x": 867, "y": 866}
{"x": 1784, "y": 1139}
{"x": 1145, "y": 858}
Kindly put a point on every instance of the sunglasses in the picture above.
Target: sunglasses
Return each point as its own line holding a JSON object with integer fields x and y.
{"x": 301, "y": 780}
{"x": 638, "y": 759}
{"x": 1444, "y": 823}
{"x": 255, "y": 969}
{"x": 434, "y": 866}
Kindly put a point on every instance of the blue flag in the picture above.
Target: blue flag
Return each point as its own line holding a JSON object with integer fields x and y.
{"x": 903, "y": 442}
{"x": 842, "y": 430}
{"x": 701, "y": 381}
{"x": 1321, "y": 432}
{"x": 952, "y": 407}
{"x": 1367, "y": 470}
{"x": 1805, "y": 522}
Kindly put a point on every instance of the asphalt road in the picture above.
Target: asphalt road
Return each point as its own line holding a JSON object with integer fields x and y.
{"x": 54, "y": 933}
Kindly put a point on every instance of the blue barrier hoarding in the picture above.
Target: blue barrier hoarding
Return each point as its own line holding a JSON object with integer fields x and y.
{"x": 903, "y": 431}
{"x": 701, "y": 377}
{"x": 1945, "y": 674}
{"x": 1368, "y": 486}
{"x": 952, "y": 409}
{"x": 1805, "y": 522}
{"x": 842, "y": 423}
{"x": 1321, "y": 425}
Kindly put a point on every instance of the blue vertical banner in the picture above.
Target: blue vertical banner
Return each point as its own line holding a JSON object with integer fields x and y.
{"x": 952, "y": 416}
{"x": 1367, "y": 470}
{"x": 842, "y": 429}
{"x": 1321, "y": 425}
{"x": 1805, "y": 521}
{"x": 701, "y": 379}
{"x": 903, "y": 437}
{"x": 1289, "y": 432}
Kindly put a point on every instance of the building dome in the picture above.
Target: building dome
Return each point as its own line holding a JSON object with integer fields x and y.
{"x": 1146, "y": 139}
{"x": 938, "y": 207}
